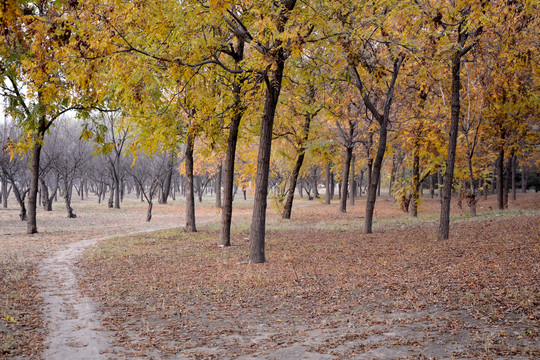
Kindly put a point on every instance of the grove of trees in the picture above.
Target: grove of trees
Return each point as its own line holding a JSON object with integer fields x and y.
{"x": 269, "y": 98}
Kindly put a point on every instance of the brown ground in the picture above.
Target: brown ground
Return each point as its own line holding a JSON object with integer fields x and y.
{"x": 22, "y": 329}
{"x": 328, "y": 291}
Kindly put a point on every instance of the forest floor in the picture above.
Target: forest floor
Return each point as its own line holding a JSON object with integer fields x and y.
{"x": 327, "y": 291}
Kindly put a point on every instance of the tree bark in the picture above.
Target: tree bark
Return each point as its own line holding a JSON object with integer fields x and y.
{"x": 514, "y": 187}
{"x": 328, "y": 183}
{"x": 374, "y": 181}
{"x": 360, "y": 182}
{"x": 149, "y": 211}
{"x": 111, "y": 197}
{"x": 292, "y": 186}
{"x": 68, "y": 188}
{"x": 190, "y": 196}
{"x": 471, "y": 197}
{"x": 116, "y": 177}
{"x": 19, "y": 196}
{"x": 415, "y": 180}
{"x": 369, "y": 172}
{"x": 507, "y": 180}
{"x": 31, "y": 225}
{"x": 345, "y": 179}
{"x": 352, "y": 186}
{"x": 500, "y": 178}
{"x": 296, "y": 170}
{"x": 44, "y": 193}
{"x": 444, "y": 222}
{"x": 332, "y": 185}
{"x": 168, "y": 179}
{"x": 228, "y": 188}
{"x": 383, "y": 120}
{"x": 258, "y": 221}
{"x": 4, "y": 192}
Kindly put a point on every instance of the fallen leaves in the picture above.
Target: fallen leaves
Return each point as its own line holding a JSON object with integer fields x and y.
{"x": 320, "y": 279}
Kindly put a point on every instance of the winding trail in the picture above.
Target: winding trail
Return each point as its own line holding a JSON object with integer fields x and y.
{"x": 74, "y": 327}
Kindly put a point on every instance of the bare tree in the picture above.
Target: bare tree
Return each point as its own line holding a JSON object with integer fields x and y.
{"x": 14, "y": 170}
{"x": 74, "y": 156}
{"x": 148, "y": 172}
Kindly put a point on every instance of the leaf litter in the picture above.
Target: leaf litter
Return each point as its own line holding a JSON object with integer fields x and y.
{"x": 327, "y": 291}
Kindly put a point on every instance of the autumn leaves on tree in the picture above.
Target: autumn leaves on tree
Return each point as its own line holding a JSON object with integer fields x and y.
{"x": 330, "y": 87}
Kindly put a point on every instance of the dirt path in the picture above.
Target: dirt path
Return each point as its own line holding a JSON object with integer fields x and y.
{"x": 74, "y": 328}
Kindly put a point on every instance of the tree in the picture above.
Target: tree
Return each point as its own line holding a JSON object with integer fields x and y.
{"x": 14, "y": 170}
{"x": 71, "y": 160}
{"x": 147, "y": 173}
{"x": 374, "y": 53}
{"x": 304, "y": 107}
{"x": 271, "y": 45}
{"x": 37, "y": 78}
{"x": 463, "y": 45}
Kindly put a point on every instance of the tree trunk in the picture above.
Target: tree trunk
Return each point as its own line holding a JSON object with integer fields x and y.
{"x": 507, "y": 180}
{"x": 198, "y": 185}
{"x": 20, "y": 199}
{"x": 360, "y": 182}
{"x": 514, "y": 188}
{"x": 332, "y": 185}
{"x": 44, "y": 193}
{"x": 228, "y": 188}
{"x": 31, "y": 225}
{"x": 345, "y": 179}
{"x": 122, "y": 191}
{"x": 415, "y": 179}
{"x": 352, "y": 185}
{"x": 315, "y": 184}
{"x": 328, "y": 183}
{"x": 117, "y": 183}
{"x": 471, "y": 196}
{"x": 500, "y": 178}
{"x": 168, "y": 179}
{"x": 439, "y": 184}
{"x": 258, "y": 221}
{"x": 370, "y": 171}
{"x": 444, "y": 222}
{"x": 4, "y": 193}
{"x": 111, "y": 197}
{"x": 68, "y": 188}
{"x": 374, "y": 178}
{"x": 149, "y": 211}
{"x": 190, "y": 196}
{"x": 292, "y": 186}
{"x": 296, "y": 170}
